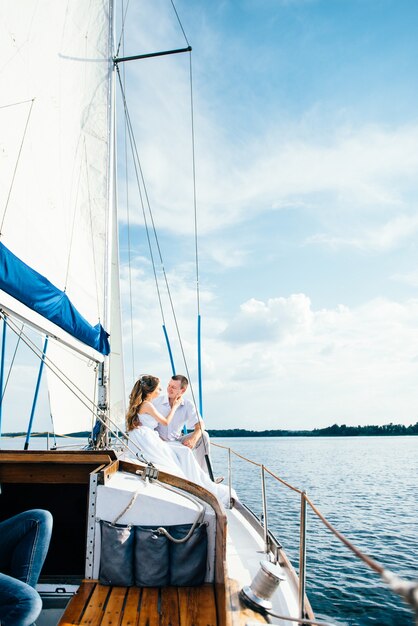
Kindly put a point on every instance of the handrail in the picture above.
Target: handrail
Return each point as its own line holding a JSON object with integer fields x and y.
{"x": 244, "y": 458}
{"x": 406, "y": 589}
{"x": 265, "y": 513}
{"x": 302, "y": 554}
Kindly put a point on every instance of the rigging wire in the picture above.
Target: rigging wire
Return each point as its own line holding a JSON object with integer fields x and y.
{"x": 17, "y": 161}
{"x": 138, "y": 168}
{"x": 79, "y": 394}
{"x": 14, "y": 104}
{"x": 12, "y": 362}
{"x": 194, "y": 184}
{"x": 54, "y": 368}
{"x": 199, "y": 362}
{"x": 199, "y": 319}
{"x": 122, "y": 40}
{"x": 35, "y": 397}
{"x": 179, "y": 21}
{"x": 122, "y": 33}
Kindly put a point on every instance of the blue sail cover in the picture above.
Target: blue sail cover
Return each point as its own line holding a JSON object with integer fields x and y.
{"x": 35, "y": 291}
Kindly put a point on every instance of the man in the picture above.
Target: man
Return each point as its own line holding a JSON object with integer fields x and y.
{"x": 186, "y": 413}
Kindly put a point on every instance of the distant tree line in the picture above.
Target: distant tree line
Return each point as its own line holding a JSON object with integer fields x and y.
{"x": 330, "y": 431}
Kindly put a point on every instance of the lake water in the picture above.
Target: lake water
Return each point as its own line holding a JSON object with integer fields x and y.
{"x": 365, "y": 486}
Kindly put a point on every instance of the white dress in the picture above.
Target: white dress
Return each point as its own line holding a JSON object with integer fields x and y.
{"x": 174, "y": 458}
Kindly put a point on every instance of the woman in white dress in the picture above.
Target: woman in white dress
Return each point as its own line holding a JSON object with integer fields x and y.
{"x": 142, "y": 419}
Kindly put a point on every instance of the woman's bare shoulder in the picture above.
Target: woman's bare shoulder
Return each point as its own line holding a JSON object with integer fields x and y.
{"x": 147, "y": 406}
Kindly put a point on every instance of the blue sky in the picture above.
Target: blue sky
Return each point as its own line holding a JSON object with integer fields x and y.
{"x": 306, "y": 141}
{"x": 306, "y": 129}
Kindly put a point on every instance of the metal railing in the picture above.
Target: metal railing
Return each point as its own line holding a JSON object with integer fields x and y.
{"x": 407, "y": 590}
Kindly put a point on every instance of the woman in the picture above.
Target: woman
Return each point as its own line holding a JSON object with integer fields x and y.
{"x": 142, "y": 419}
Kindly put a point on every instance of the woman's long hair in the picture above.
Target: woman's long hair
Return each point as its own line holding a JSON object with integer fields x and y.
{"x": 142, "y": 388}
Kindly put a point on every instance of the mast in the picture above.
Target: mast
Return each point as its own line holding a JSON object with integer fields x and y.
{"x": 111, "y": 380}
{"x": 103, "y": 380}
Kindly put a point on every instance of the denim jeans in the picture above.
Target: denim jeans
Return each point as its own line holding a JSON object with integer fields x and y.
{"x": 24, "y": 542}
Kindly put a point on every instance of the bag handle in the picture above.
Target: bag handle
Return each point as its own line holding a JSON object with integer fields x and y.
{"x": 198, "y": 520}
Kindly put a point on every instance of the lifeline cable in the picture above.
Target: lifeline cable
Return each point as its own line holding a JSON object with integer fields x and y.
{"x": 406, "y": 589}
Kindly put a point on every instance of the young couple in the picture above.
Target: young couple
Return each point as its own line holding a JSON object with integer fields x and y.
{"x": 154, "y": 425}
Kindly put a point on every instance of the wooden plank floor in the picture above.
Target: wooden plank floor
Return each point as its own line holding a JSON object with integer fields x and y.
{"x": 97, "y": 605}
{"x": 241, "y": 614}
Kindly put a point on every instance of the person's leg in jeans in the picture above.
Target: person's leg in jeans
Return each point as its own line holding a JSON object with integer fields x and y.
{"x": 20, "y": 604}
{"x": 24, "y": 542}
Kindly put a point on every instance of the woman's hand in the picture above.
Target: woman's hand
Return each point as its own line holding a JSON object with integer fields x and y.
{"x": 160, "y": 418}
{"x": 177, "y": 401}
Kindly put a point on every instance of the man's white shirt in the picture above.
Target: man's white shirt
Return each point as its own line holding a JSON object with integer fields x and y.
{"x": 185, "y": 414}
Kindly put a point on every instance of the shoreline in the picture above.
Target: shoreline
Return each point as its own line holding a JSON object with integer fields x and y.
{"x": 387, "y": 430}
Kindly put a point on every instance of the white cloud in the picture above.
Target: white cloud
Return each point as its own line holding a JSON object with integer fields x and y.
{"x": 228, "y": 254}
{"x": 308, "y": 368}
{"x": 382, "y": 238}
{"x": 408, "y": 278}
{"x": 283, "y": 364}
{"x": 276, "y": 319}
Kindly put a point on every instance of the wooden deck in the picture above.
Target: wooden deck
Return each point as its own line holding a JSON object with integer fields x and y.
{"x": 97, "y": 605}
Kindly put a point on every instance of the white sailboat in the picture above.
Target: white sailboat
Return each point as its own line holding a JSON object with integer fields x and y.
{"x": 59, "y": 275}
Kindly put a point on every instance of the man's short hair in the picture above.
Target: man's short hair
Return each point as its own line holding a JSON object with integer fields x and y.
{"x": 183, "y": 380}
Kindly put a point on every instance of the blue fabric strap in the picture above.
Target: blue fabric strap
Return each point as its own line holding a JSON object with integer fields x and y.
{"x": 36, "y": 292}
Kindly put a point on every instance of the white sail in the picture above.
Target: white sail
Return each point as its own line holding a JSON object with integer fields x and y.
{"x": 72, "y": 390}
{"x": 55, "y": 118}
{"x": 54, "y": 210}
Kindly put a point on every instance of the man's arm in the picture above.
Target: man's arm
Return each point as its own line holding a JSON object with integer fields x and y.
{"x": 191, "y": 440}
